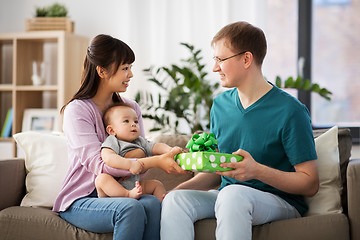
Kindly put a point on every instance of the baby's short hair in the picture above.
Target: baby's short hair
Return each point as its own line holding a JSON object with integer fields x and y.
{"x": 108, "y": 110}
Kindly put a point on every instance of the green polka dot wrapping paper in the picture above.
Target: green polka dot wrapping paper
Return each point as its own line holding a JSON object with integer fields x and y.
{"x": 205, "y": 161}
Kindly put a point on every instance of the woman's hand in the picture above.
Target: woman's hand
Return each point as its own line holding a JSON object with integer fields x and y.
{"x": 168, "y": 164}
{"x": 136, "y": 167}
{"x": 244, "y": 170}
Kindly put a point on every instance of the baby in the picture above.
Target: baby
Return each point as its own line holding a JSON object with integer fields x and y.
{"x": 124, "y": 140}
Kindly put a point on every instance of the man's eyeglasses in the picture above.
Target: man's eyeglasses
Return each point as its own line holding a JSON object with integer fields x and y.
{"x": 221, "y": 60}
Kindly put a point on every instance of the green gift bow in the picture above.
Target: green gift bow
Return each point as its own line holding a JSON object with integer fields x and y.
{"x": 202, "y": 143}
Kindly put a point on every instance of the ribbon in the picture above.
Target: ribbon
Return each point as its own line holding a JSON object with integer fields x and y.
{"x": 202, "y": 143}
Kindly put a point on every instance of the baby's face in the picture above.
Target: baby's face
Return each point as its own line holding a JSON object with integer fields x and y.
{"x": 125, "y": 124}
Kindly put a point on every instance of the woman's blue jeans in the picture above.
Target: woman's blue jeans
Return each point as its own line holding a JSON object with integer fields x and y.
{"x": 127, "y": 218}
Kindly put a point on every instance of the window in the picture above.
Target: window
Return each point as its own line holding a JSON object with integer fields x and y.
{"x": 327, "y": 34}
{"x": 335, "y": 63}
{"x": 281, "y": 35}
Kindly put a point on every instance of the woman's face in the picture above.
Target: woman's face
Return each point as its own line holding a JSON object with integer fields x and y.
{"x": 119, "y": 81}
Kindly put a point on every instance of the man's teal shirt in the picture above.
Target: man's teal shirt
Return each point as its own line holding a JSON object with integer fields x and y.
{"x": 275, "y": 130}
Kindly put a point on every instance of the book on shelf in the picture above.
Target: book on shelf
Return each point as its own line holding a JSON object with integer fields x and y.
{"x": 6, "y": 130}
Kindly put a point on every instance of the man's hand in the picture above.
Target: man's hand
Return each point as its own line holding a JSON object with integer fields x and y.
{"x": 244, "y": 170}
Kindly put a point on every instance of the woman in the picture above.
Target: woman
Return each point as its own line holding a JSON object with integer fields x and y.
{"x": 107, "y": 71}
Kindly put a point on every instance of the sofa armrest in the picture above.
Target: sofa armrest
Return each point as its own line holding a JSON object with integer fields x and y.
{"x": 12, "y": 182}
{"x": 353, "y": 186}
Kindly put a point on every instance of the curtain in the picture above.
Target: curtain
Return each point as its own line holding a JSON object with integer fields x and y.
{"x": 155, "y": 28}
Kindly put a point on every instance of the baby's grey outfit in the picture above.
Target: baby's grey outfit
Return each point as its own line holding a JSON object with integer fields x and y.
{"x": 121, "y": 147}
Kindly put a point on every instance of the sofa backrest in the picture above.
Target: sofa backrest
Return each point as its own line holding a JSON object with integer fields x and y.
{"x": 12, "y": 172}
{"x": 12, "y": 182}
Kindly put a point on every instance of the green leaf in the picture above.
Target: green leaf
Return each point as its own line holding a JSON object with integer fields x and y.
{"x": 278, "y": 82}
{"x": 137, "y": 97}
{"x": 315, "y": 87}
{"x": 307, "y": 85}
{"x": 197, "y": 52}
{"x": 41, "y": 12}
{"x": 298, "y": 82}
{"x": 324, "y": 93}
{"x": 159, "y": 99}
{"x": 57, "y": 10}
{"x": 289, "y": 82}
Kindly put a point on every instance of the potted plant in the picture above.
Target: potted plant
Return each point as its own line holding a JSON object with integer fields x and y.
{"x": 53, "y": 17}
{"x": 186, "y": 94}
{"x": 54, "y": 10}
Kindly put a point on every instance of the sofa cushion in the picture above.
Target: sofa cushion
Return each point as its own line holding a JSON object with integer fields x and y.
{"x": 41, "y": 224}
{"x": 321, "y": 227}
{"x": 328, "y": 198}
{"x": 46, "y": 163}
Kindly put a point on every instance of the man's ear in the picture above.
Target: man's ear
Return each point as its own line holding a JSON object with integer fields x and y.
{"x": 100, "y": 71}
{"x": 248, "y": 59}
{"x": 110, "y": 130}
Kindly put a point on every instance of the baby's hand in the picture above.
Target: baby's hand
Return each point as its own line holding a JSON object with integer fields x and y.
{"x": 176, "y": 148}
{"x": 136, "y": 167}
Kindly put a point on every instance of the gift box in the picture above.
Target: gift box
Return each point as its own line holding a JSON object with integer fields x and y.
{"x": 203, "y": 156}
{"x": 205, "y": 161}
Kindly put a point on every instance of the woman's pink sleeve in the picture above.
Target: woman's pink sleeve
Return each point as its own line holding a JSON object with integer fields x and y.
{"x": 85, "y": 133}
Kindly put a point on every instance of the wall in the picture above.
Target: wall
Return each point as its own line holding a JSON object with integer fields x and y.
{"x": 152, "y": 28}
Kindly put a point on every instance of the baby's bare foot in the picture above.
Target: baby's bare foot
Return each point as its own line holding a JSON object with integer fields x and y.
{"x": 136, "y": 192}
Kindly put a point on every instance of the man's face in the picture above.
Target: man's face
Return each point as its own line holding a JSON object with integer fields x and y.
{"x": 230, "y": 70}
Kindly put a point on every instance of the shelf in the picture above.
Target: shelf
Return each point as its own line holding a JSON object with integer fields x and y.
{"x": 10, "y": 87}
{"x": 41, "y": 35}
{"x": 60, "y": 53}
{"x": 37, "y": 88}
{"x": 10, "y": 139}
{"x": 6, "y": 87}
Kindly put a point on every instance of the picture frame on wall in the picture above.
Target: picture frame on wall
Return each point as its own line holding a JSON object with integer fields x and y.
{"x": 41, "y": 119}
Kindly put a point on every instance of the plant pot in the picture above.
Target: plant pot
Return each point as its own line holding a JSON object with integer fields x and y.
{"x": 49, "y": 23}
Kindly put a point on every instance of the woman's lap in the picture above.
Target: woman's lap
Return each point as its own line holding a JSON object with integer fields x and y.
{"x": 123, "y": 216}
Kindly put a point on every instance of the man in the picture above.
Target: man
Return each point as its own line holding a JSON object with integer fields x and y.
{"x": 269, "y": 128}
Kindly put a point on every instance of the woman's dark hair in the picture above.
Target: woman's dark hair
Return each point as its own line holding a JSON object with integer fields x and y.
{"x": 108, "y": 53}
